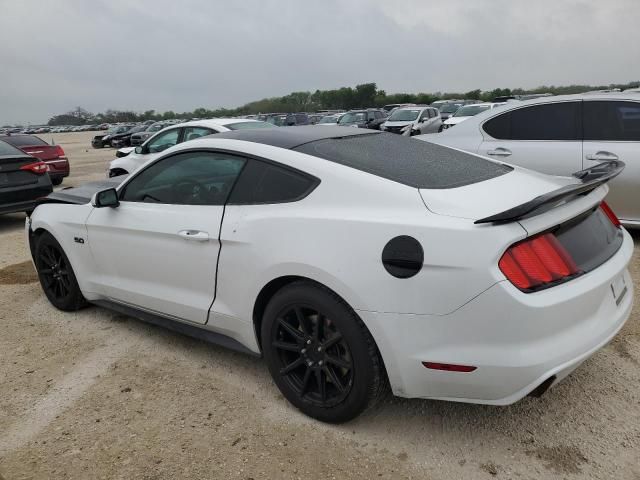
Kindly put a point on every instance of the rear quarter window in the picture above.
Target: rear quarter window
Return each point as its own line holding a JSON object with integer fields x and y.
{"x": 612, "y": 121}
{"x": 262, "y": 182}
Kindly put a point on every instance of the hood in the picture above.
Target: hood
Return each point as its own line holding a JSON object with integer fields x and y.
{"x": 82, "y": 194}
{"x": 403, "y": 123}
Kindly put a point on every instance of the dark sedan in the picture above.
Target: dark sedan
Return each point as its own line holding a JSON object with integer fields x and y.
{"x": 366, "y": 118}
{"x": 23, "y": 180}
{"x": 103, "y": 139}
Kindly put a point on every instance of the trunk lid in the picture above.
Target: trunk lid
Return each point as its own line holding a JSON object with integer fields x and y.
{"x": 10, "y": 173}
{"x": 42, "y": 152}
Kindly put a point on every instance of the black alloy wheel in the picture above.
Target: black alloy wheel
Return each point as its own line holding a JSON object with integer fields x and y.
{"x": 56, "y": 275}
{"x": 320, "y": 354}
{"x": 313, "y": 356}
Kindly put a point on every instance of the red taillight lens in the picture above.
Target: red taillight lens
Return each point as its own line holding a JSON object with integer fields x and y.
{"x": 537, "y": 262}
{"x": 609, "y": 213}
{"x": 39, "y": 168}
{"x": 60, "y": 151}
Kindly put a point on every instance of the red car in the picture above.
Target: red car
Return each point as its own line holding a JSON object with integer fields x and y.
{"x": 52, "y": 155}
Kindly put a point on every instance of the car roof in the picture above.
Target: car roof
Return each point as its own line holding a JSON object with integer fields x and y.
{"x": 292, "y": 137}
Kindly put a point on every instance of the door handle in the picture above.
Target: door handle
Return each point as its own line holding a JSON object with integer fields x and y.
{"x": 499, "y": 152}
{"x": 601, "y": 156}
{"x": 195, "y": 235}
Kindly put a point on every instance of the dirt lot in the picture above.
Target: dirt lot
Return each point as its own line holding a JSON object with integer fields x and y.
{"x": 99, "y": 395}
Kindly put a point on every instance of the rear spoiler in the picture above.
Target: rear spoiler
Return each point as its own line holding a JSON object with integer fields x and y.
{"x": 590, "y": 179}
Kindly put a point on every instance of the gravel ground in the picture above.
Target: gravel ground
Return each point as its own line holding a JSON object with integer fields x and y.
{"x": 98, "y": 395}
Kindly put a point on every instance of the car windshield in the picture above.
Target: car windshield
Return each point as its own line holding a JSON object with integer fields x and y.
{"x": 449, "y": 108}
{"x": 329, "y": 119}
{"x": 278, "y": 121}
{"x": 470, "y": 110}
{"x": 24, "y": 140}
{"x": 248, "y": 125}
{"x": 403, "y": 115}
{"x": 353, "y": 117}
{"x": 156, "y": 127}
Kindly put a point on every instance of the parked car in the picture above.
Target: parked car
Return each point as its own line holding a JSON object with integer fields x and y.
{"x": 102, "y": 140}
{"x": 134, "y": 158}
{"x": 351, "y": 260}
{"x": 366, "y": 118}
{"x": 138, "y": 138}
{"x": 23, "y": 180}
{"x": 448, "y": 109}
{"x": 123, "y": 139}
{"x": 52, "y": 155}
{"x": 467, "y": 111}
{"x": 413, "y": 120}
{"x": 561, "y": 134}
{"x": 288, "y": 119}
{"x": 392, "y": 106}
{"x": 330, "y": 119}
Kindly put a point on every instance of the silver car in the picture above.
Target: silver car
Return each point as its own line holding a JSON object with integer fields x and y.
{"x": 413, "y": 120}
{"x": 561, "y": 135}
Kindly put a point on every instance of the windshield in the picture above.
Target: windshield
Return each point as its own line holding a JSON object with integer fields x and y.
{"x": 248, "y": 125}
{"x": 470, "y": 110}
{"x": 449, "y": 108}
{"x": 353, "y": 117}
{"x": 277, "y": 121}
{"x": 6, "y": 149}
{"x": 402, "y": 115}
{"x": 156, "y": 127}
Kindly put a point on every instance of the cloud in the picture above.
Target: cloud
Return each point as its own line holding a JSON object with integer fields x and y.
{"x": 164, "y": 54}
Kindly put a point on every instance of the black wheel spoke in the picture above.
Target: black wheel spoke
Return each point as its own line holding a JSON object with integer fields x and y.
{"x": 318, "y": 328}
{"x": 322, "y": 390}
{"x": 291, "y": 330}
{"x": 302, "y": 321}
{"x": 334, "y": 378}
{"x": 46, "y": 271}
{"x": 338, "y": 362}
{"x": 305, "y": 382}
{"x": 291, "y": 347}
{"x": 292, "y": 366}
{"x": 333, "y": 340}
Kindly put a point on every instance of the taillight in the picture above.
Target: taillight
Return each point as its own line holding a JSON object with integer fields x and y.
{"x": 609, "y": 213}
{"x": 537, "y": 262}
{"x": 39, "y": 168}
{"x": 60, "y": 152}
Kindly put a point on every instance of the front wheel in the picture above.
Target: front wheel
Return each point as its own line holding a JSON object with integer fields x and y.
{"x": 56, "y": 275}
{"x": 320, "y": 354}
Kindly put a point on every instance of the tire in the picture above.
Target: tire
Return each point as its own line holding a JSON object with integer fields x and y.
{"x": 56, "y": 181}
{"x": 56, "y": 275}
{"x": 332, "y": 373}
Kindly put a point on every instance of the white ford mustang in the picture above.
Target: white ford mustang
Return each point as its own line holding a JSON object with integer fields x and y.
{"x": 351, "y": 260}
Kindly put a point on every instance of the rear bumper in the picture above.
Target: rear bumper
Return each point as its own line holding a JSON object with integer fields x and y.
{"x": 516, "y": 340}
{"x": 58, "y": 168}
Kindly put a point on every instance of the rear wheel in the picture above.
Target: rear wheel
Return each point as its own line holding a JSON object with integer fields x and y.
{"x": 56, "y": 181}
{"x": 56, "y": 275}
{"x": 320, "y": 354}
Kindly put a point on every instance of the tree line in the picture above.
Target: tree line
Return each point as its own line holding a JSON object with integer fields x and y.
{"x": 360, "y": 96}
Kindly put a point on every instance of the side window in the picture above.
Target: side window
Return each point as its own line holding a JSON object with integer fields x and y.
{"x": 191, "y": 133}
{"x": 552, "y": 121}
{"x": 189, "y": 178}
{"x": 425, "y": 114}
{"x": 370, "y": 116}
{"x": 263, "y": 182}
{"x": 163, "y": 141}
{"x": 613, "y": 121}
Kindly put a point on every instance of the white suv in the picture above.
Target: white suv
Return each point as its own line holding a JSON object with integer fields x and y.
{"x": 561, "y": 135}
{"x": 420, "y": 119}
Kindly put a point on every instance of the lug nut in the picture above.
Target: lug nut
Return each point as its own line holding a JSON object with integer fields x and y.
{"x": 308, "y": 342}
{"x": 303, "y": 351}
{"x": 310, "y": 364}
{"x": 319, "y": 349}
{"x": 320, "y": 363}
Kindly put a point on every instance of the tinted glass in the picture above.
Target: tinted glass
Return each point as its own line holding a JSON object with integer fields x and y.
{"x": 23, "y": 140}
{"x": 191, "y": 133}
{"x": 262, "y": 182}
{"x": 6, "y": 149}
{"x": 405, "y": 160}
{"x": 190, "y": 178}
{"x": 404, "y": 115}
{"x": 164, "y": 140}
{"x": 606, "y": 120}
{"x": 552, "y": 121}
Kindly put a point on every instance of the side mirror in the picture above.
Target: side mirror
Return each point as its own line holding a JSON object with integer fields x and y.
{"x": 139, "y": 149}
{"x": 106, "y": 198}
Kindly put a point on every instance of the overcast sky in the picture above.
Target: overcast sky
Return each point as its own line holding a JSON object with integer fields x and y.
{"x": 180, "y": 55}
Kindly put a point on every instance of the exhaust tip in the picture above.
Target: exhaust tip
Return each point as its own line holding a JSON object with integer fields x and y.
{"x": 542, "y": 388}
